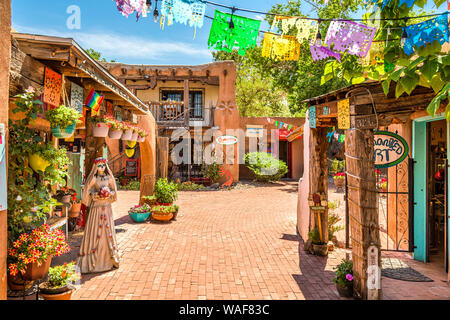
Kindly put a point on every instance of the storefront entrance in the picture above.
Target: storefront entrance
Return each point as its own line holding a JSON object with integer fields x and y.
{"x": 431, "y": 191}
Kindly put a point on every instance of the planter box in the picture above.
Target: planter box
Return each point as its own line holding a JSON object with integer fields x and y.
{"x": 100, "y": 130}
{"x": 127, "y": 135}
{"x": 115, "y": 134}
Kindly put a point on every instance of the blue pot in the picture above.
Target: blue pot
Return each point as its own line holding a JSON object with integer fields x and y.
{"x": 139, "y": 217}
{"x": 66, "y": 133}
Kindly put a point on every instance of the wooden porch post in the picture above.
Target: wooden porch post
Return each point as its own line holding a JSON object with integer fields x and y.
{"x": 187, "y": 116}
{"x": 363, "y": 212}
{"x": 93, "y": 146}
{"x": 318, "y": 178}
{"x": 5, "y": 56}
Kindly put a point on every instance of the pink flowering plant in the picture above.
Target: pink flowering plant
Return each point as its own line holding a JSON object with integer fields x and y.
{"x": 344, "y": 274}
{"x": 141, "y": 209}
{"x": 36, "y": 246}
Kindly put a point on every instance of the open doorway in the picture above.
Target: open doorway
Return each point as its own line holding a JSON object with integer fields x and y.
{"x": 437, "y": 192}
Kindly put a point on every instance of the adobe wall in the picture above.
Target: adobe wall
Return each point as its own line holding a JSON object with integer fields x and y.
{"x": 5, "y": 55}
{"x": 297, "y": 145}
{"x": 303, "y": 209}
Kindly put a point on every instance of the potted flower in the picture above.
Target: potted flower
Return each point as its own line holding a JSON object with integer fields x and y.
{"x": 339, "y": 180}
{"x": 135, "y": 133}
{"x": 75, "y": 209}
{"x": 59, "y": 285}
{"x": 150, "y": 200}
{"x": 382, "y": 185}
{"x": 163, "y": 213}
{"x": 142, "y": 134}
{"x": 63, "y": 121}
{"x": 344, "y": 279}
{"x": 175, "y": 214}
{"x": 65, "y": 195}
{"x": 31, "y": 254}
{"x": 320, "y": 247}
{"x": 127, "y": 132}
{"x": 101, "y": 127}
{"x": 166, "y": 192}
{"x": 140, "y": 213}
{"x": 115, "y": 132}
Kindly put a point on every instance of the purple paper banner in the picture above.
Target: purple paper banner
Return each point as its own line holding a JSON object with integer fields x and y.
{"x": 320, "y": 53}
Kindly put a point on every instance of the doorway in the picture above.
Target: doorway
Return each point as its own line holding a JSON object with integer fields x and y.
{"x": 286, "y": 156}
{"x": 437, "y": 191}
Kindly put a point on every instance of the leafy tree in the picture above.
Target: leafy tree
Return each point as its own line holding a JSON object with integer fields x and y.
{"x": 97, "y": 55}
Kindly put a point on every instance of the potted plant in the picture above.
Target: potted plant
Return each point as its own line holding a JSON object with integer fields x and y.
{"x": 59, "y": 285}
{"x": 320, "y": 247}
{"x": 31, "y": 254}
{"x": 344, "y": 279}
{"x": 65, "y": 195}
{"x": 140, "y": 213}
{"x": 37, "y": 162}
{"x": 115, "y": 132}
{"x": 63, "y": 121}
{"x": 101, "y": 127}
{"x": 142, "y": 134}
{"x": 163, "y": 213}
{"x": 135, "y": 133}
{"x": 382, "y": 185}
{"x": 127, "y": 132}
{"x": 175, "y": 214}
{"x": 75, "y": 209}
{"x": 339, "y": 180}
{"x": 211, "y": 172}
{"x": 166, "y": 192}
{"x": 150, "y": 200}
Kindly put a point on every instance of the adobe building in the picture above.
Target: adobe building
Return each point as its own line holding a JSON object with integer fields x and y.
{"x": 199, "y": 101}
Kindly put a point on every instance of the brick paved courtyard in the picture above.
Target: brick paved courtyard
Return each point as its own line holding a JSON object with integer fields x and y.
{"x": 239, "y": 244}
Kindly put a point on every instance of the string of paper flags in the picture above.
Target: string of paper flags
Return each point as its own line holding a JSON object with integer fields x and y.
{"x": 282, "y": 125}
{"x": 230, "y": 31}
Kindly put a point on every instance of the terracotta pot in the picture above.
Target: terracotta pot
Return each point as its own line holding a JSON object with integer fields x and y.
{"x": 16, "y": 283}
{"x": 66, "y": 199}
{"x": 175, "y": 215}
{"x": 100, "y": 130}
{"x": 43, "y": 288}
{"x": 346, "y": 292}
{"x": 115, "y": 134}
{"x": 34, "y": 271}
{"x": 76, "y": 207}
{"x": 141, "y": 139}
{"x": 73, "y": 215}
{"x": 61, "y": 296}
{"x": 37, "y": 163}
{"x": 339, "y": 183}
{"x": 164, "y": 204}
{"x": 126, "y": 136}
{"x": 320, "y": 249}
{"x": 134, "y": 137}
{"x": 162, "y": 216}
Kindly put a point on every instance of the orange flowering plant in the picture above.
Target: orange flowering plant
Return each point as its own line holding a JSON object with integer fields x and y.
{"x": 36, "y": 246}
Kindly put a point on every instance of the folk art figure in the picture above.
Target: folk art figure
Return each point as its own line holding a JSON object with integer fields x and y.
{"x": 99, "y": 251}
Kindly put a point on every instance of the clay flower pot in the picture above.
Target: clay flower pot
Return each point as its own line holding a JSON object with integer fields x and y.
{"x": 346, "y": 292}
{"x": 339, "y": 183}
{"x": 115, "y": 134}
{"x": 35, "y": 271}
{"x": 134, "y": 136}
{"x": 75, "y": 210}
{"x": 16, "y": 283}
{"x": 63, "y": 293}
{"x": 162, "y": 216}
{"x": 127, "y": 135}
{"x": 37, "y": 163}
{"x": 100, "y": 130}
{"x": 320, "y": 249}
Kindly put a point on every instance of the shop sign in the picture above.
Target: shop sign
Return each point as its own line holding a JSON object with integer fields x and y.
{"x": 390, "y": 149}
{"x": 255, "y": 131}
{"x": 227, "y": 140}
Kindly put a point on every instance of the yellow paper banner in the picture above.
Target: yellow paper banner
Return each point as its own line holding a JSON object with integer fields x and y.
{"x": 344, "y": 114}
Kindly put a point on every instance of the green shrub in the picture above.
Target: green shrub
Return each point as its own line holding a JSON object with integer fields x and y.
{"x": 166, "y": 192}
{"x": 132, "y": 186}
{"x": 63, "y": 116}
{"x": 212, "y": 171}
{"x": 266, "y": 167}
{"x": 189, "y": 186}
{"x": 314, "y": 235}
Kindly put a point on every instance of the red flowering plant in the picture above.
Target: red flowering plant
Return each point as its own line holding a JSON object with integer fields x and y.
{"x": 114, "y": 123}
{"x": 36, "y": 246}
{"x": 339, "y": 175}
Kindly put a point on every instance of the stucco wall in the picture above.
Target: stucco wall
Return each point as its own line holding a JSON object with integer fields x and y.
{"x": 303, "y": 211}
{"x": 5, "y": 54}
{"x": 297, "y": 145}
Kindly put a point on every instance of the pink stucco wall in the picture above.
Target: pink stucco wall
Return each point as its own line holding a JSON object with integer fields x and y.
{"x": 303, "y": 211}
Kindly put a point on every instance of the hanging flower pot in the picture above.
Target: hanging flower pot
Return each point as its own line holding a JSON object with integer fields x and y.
{"x": 131, "y": 144}
{"x": 37, "y": 163}
{"x": 140, "y": 139}
{"x": 100, "y": 130}
{"x": 115, "y": 134}
{"x": 66, "y": 133}
{"x": 129, "y": 153}
{"x": 37, "y": 271}
{"x": 127, "y": 135}
{"x": 134, "y": 136}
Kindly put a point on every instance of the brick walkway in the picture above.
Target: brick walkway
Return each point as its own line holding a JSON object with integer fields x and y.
{"x": 238, "y": 244}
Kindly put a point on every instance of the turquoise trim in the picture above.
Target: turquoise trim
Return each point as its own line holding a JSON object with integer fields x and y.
{"x": 419, "y": 136}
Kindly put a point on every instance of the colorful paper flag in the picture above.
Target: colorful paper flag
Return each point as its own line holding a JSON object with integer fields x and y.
{"x": 320, "y": 53}
{"x": 312, "y": 117}
{"x": 52, "y": 87}
{"x": 94, "y": 101}
{"x": 344, "y": 114}
{"x": 284, "y": 48}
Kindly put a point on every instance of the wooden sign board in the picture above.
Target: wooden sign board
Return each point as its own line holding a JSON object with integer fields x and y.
{"x": 132, "y": 168}
{"x": 390, "y": 149}
{"x": 254, "y": 131}
{"x": 364, "y": 122}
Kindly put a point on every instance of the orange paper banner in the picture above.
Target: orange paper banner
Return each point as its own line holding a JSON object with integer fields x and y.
{"x": 52, "y": 87}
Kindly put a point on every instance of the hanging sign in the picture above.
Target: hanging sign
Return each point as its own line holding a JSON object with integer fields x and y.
{"x": 390, "y": 149}
{"x": 227, "y": 140}
{"x": 254, "y": 131}
{"x": 344, "y": 114}
{"x": 76, "y": 97}
{"x": 52, "y": 87}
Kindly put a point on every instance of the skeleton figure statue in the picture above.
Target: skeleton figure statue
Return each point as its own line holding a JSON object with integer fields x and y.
{"x": 99, "y": 250}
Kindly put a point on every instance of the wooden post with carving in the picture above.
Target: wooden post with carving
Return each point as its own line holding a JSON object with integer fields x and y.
{"x": 363, "y": 211}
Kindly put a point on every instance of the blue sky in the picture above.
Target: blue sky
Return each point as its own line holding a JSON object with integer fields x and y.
{"x": 104, "y": 29}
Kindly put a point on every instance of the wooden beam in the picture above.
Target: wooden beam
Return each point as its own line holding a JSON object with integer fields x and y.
{"x": 363, "y": 211}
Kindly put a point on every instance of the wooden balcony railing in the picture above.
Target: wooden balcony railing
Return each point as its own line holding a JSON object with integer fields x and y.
{"x": 170, "y": 113}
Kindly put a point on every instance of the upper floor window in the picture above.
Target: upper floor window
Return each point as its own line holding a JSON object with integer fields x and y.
{"x": 196, "y": 101}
